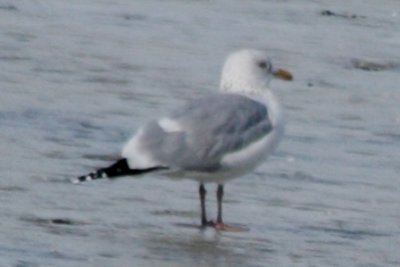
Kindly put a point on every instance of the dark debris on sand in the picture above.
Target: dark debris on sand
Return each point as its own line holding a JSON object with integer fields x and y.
{"x": 330, "y": 13}
{"x": 370, "y": 65}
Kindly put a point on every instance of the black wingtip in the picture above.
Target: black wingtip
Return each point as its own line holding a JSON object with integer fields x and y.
{"x": 80, "y": 179}
{"x": 119, "y": 168}
{"x": 100, "y": 174}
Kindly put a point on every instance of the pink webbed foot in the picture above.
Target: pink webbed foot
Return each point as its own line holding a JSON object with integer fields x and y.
{"x": 221, "y": 226}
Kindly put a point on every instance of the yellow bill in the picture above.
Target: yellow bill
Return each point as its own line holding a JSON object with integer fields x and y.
{"x": 283, "y": 74}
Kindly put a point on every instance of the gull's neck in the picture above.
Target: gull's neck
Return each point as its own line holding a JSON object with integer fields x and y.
{"x": 260, "y": 92}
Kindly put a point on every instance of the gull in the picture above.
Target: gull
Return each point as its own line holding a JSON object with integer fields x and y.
{"x": 212, "y": 139}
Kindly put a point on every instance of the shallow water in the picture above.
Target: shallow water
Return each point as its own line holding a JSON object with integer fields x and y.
{"x": 78, "y": 77}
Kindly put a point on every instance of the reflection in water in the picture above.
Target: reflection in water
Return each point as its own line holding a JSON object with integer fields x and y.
{"x": 206, "y": 248}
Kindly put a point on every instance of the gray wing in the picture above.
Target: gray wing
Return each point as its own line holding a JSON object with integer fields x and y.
{"x": 211, "y": 128}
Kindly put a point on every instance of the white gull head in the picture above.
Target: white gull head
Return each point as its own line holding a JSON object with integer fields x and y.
{"x": 249, "y": 71}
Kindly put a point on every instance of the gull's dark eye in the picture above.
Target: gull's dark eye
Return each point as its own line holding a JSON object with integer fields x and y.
{"x": 262, "y": 64}
{"x": 265, "y": 65}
